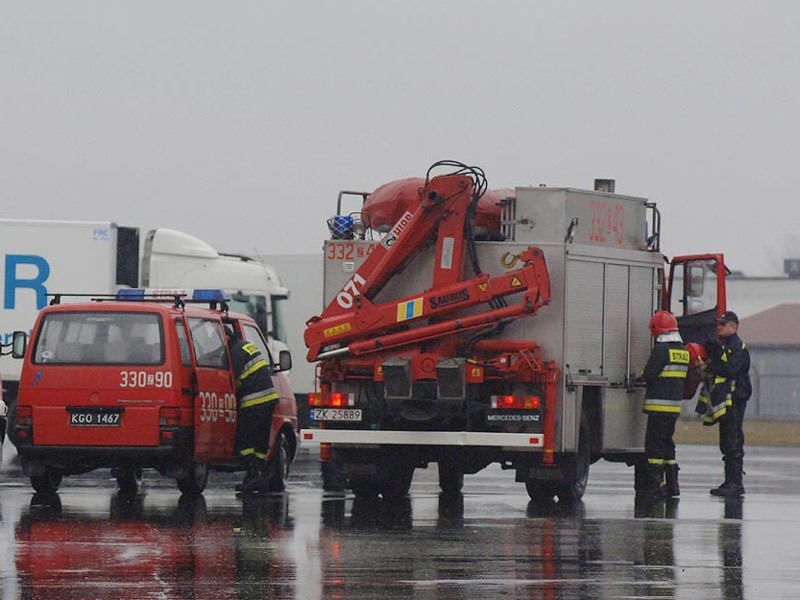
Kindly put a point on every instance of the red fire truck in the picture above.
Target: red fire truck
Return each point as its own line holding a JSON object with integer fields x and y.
{"x": 140, "y": 380}
{"x": 508, "y": 332}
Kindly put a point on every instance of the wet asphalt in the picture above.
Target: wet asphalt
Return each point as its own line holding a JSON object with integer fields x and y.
{"x": 489, "y": 542}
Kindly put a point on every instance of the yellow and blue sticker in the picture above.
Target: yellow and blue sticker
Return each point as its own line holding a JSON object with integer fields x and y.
{"x": 409, "y": 309}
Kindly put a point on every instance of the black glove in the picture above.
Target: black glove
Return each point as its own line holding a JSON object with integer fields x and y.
{"x": 714, "y": 348}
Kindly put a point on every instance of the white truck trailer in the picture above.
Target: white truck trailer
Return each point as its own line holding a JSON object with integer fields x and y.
{"x": 41, "y": 258}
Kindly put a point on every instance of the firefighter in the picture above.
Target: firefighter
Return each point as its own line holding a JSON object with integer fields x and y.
{"x": 256, "y": 398}
{"x": 665, "y": 376}
{"x": 733, "y": 364}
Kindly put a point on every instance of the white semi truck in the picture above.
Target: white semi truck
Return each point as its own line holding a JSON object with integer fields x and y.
{"x": 42, "y": 258}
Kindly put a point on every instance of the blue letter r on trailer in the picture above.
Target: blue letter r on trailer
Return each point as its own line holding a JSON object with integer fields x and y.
{"x": 36, "y": 283}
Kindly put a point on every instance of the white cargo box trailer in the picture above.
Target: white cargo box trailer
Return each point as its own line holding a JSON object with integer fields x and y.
{"x": 99, "y": 257}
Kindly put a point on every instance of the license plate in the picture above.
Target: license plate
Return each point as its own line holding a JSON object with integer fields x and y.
{"x": 85, "y": 417}
{"x": 335, "y": 414}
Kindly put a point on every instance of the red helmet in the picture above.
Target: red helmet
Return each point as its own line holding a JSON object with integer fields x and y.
{"x": 697, "y": 353}
{"x": 662, "y": 322}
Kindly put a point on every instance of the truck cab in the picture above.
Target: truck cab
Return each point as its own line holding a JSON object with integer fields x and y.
{"x": 141, "y": 381}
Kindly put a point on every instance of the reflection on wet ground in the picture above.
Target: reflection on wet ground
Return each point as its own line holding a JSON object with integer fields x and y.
{"x": 89, "y": 541}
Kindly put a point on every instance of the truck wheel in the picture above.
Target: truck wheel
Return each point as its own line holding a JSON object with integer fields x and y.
{"x": 396, "y": 482}
{"x": 128, "y": 479}
{"x": 576, "y": 469}
{"x": 451, "y": 478}
{"x": 195, "y": 481}
{"x": 333, "y": 479}
{"x": 540, "y": 491}
{"x": 47, "y": 483}
{"x": 279, "y": 469}
{"x": 363, "y": 486}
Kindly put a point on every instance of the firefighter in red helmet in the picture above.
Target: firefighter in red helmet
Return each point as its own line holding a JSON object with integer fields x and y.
{"x": 665, "y": 376}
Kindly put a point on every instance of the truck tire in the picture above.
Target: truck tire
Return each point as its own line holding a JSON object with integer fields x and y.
{"x": 451, "y": 478}
{"x": 363, "y": 486}
{"x": 333, "y": 479}
{"x": 128, "y": 479}
{"x": 396, "y": 482}
{"x": 573, "y": 486}
{"x": 195, "y": 482}
{"x": 47, "y": 483}
{"x": 279, "y": 469}
{"x": 540, "y": 491}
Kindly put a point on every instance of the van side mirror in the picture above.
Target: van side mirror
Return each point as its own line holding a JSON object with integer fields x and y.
{"x": 19, "y": 344}
{"x": 284, "y": 360}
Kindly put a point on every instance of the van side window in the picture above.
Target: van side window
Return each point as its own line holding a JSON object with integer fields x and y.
{"x": 209, "y": 343}
{"x": 183, "y": 342}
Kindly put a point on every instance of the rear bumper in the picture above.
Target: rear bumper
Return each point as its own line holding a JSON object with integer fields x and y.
{"x": 355, "y": 437}
{"x": 81, "y": 459}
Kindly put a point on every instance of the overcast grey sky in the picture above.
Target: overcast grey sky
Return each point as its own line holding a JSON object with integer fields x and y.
{"x": 239, "y": 122}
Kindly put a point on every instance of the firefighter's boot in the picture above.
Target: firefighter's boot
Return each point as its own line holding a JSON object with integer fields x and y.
{"x": 252, "y": 476}
{"x": 672, "y": 490}
{"x": 653, "y": 487}
{"x": 732, "y": 488}
{"x": 262, "y": 485}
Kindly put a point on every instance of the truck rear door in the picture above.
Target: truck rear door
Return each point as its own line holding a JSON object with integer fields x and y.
{"x": 695, "y": 293}
{"x": 215, "y": 400}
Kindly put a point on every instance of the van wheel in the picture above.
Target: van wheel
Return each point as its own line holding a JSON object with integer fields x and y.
{"x": 11, "y": 426}
{"x": 279, "y": 469}
{"x": 195, "y": 482}
{"x": 128, "y": 479}
{"x": 47, "y": 483}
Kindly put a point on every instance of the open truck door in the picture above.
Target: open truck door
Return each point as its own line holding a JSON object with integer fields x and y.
{"x": 695, "y": 293}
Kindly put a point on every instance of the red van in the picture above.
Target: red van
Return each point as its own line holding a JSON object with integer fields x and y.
{"x": 140, "y": 381}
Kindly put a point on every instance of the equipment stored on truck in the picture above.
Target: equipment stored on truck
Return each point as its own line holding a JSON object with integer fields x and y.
{"x": 141, "y": 380}
{"x": 475, "y": 332}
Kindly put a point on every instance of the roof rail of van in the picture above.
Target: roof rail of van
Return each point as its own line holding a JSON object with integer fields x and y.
{"x": 179, "y": 297}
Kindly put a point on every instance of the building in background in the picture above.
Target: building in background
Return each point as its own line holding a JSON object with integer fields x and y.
{"x": 773, "y": 339}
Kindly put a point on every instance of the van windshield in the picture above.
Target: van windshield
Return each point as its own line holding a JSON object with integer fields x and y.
{"x": 94, "y": 338}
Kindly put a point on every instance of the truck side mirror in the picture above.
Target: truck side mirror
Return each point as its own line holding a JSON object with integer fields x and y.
{"x": 284, "y": 360}
{"x": 19, "y": 344}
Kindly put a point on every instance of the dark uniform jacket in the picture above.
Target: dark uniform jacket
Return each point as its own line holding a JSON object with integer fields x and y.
{"x": 253, "y": 381}
{"x": 665, "y": 375}
{"x": 734, "y": 366}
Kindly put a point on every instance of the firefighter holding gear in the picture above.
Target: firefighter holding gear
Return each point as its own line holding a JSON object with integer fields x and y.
{"x": 256, "y": 398}
{"x": 715, "y": 395}
{"x": 732, "y": 364}
{"x": 665, "y": 376}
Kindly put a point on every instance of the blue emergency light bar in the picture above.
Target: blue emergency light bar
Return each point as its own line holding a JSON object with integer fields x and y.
{"x": 189, "y": 295}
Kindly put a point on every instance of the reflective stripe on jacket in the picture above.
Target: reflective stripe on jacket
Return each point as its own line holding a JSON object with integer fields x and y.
{"x": 716, "y": 396}
{"x": 251, "y": 370}
{"x": 665, "y": 374}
